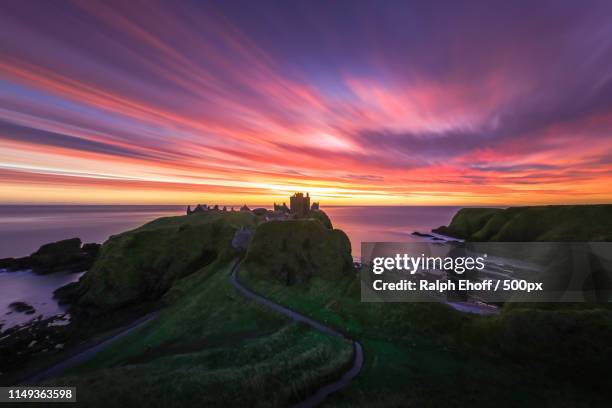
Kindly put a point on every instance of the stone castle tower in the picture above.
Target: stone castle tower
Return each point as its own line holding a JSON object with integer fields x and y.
{"x": 300, "y": 204}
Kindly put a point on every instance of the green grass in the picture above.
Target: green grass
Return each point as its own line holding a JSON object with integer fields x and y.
{"x": 428, "y": 355}
{"x": 295, "y": 251}
{"x": 141, "y": 265}
{"x": 554, "y": 223}
{"x": 322, "y": 217}
{"x": 211, "y": 347}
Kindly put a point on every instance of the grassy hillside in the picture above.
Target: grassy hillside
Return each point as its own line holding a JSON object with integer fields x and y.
{"x": 426, "y": 354}
{"x": 141, "y": 265}
{"x": 296, "y": 250}
{"x": 539, "y": 223}
{"x": 211, "y": 347}
{"x": 429, "y": 355}
{"x": 321, "y": 216}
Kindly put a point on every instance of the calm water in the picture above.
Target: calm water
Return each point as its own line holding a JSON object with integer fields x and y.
{"x": 23, "y": 229}
{"x": 36, "y": 290}
{"x": 380, "y": 224}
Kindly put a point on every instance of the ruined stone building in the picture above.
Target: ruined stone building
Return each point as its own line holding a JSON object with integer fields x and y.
{"x": 299, "y": 204}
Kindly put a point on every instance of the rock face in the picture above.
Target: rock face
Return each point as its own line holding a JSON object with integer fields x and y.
{"x": 526, "y": 224}
{"x": 66, "y": 255}
{"x": 292, "y": 252}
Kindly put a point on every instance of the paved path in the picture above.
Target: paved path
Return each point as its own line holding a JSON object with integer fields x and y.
{"x": 318, "y": 397}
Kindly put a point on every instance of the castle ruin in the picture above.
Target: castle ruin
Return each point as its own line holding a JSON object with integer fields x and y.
{"x": 299, "y": 204}
{"x": 299, "y": 207}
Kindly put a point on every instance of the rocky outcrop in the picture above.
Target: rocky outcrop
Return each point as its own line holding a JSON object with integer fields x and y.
{"x": 67, "y": 294}
{"x": 22, "y": 307}
{"x": 40, "y": 337}
{"x": 67, "y": 255}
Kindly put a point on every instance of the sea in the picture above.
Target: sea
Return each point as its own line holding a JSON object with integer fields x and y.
{"x": 24, "y": 228}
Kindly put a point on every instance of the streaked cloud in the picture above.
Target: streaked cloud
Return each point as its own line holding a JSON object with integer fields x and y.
{"x": 420, "y": 102}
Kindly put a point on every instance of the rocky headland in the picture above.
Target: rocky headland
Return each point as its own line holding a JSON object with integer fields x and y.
{"x": 552, "y": 223}
{"x": 68, "y": 255}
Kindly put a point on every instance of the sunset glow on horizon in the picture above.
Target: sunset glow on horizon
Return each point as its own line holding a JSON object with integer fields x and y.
{"x": 381, "y": 103}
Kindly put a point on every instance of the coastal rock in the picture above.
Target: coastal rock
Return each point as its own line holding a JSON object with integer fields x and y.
{"x": 19, "y": 344}
{"x": 423, "y": 235}
{"x": 22, "y": 307}
{"x": 67, "y": 294}
{"x": 65, "y": 255}
{"x": 55, "y": 256}
{"x": 15, "y": 264}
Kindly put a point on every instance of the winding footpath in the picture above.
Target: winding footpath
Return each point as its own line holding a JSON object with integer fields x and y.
{"x": 318, "y": 397}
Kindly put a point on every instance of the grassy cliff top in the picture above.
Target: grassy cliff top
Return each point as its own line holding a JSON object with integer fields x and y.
{"x": 296, "y": 250}
{"x": 142, "y": 264}
{"x": 537, "y": 223}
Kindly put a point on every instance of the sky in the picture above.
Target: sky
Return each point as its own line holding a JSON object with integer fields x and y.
{"x": 388, "y": 103}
